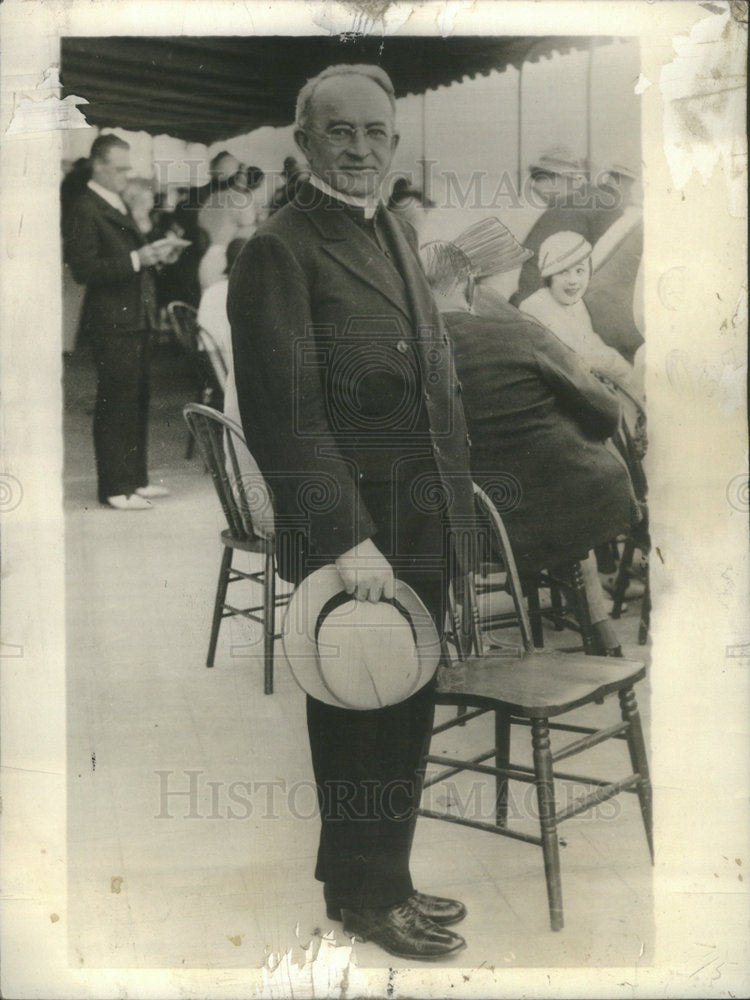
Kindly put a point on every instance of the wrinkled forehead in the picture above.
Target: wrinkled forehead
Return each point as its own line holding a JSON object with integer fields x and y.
{"x": 351, "y": 98}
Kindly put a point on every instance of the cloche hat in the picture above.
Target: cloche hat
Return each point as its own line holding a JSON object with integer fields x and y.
{"x": 561, "y": 251}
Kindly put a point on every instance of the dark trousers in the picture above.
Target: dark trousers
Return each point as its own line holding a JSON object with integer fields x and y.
{"x": 369, "y": 765}
{"x": 368, "y": 769}
{"x": 121, "y": 413}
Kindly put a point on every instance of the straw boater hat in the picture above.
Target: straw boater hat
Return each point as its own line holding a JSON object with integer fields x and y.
{"x": 620, "y": 170}
{"x": 559, "y": 161}
{"x": 491, "y": 248}
{"x": 355, "y": 654}
{"x": 561, "y": 251}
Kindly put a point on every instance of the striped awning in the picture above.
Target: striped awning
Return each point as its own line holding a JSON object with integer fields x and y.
{"x": 206, "y": 89}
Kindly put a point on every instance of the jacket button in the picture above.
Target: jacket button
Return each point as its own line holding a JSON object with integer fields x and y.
{"x": 402, "y": 346}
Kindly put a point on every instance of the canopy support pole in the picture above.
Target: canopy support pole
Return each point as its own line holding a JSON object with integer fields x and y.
{"x": 589, "y": 102}
{"x": 519, "y": 126}
{"x": 423, "y": 162}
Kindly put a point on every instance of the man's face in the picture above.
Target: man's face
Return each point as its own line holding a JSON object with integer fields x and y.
{"x": 350, "y": 141}
{"x": 568, "y": 286}
{"x": 113, "y": 171}
{"x": 553, "y": 188}
{"x": 549, "y": 188}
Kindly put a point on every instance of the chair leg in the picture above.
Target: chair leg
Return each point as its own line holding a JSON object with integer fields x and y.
{"x": 644, "y": 624}
{"x": 221, "y": 593}
{"x": 581, "y": 609}
{"x": 623, "y": 576}
{"x": 535, "y": 615}
{"x": 557, "y": 607}
{"x": 502, "y": 760}
{"x": 269, "y": 621}
{"x": 638, "y": 760}
{"x": 545, "y": 790}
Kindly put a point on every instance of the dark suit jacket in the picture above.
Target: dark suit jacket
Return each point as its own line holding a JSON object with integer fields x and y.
{"x": 609, "y": 297}
{"x": 98, "y": 242}
{"x": 538, "y": 421}
{"x": 345, "y": 380}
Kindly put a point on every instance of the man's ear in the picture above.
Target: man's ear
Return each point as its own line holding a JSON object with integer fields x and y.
{"x": 302, "y": 140}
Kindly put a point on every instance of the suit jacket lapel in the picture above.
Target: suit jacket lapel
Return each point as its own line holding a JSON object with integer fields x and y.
{"x": 425, "y": 315}
{"x": 114, "y": 215}
{"x": 352, "y": 249}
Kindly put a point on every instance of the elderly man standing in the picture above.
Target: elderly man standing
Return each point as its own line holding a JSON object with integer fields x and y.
{"x": 349, "y": 400}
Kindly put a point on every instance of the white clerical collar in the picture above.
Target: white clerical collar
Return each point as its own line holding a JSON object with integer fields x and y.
{"x": 369, "y": 205}
{"x": 111, "y": 197}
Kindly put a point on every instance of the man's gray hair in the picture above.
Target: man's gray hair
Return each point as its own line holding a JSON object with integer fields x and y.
{"x": 303, "y": 110}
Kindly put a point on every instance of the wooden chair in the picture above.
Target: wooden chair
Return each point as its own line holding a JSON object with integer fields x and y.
{"x": 241, "y": 494}
{"x": 568, "y": 607}
{"x": 567, "y": 603}
{"x": 207, "y": 386}
{"x": 526, "y": 687}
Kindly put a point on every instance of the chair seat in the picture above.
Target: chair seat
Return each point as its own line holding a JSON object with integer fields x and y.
{"x": 536, "y": 685}
{"x": 258, "y": 544}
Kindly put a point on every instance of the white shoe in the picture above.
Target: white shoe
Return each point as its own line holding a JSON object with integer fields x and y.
{"x": 129, "y": 502}
{"x": 152, "y": 492}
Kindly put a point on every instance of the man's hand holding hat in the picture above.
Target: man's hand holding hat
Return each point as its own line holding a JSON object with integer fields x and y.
{"x": 366, "y": 573}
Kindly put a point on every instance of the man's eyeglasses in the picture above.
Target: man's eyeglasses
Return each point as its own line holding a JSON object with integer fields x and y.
{"x": 342, "y": 136}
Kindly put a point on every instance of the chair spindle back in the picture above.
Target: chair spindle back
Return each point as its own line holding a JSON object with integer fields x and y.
{"x": 240, "y": 494}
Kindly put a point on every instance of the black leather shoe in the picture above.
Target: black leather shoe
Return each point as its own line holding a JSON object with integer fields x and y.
{"x": 438, "y": 909}
{"x": 401, "y": 930}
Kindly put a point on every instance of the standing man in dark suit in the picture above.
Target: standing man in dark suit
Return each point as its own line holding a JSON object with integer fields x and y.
{"x": 109, "y": 255}
{"x": 350, "y": 406}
